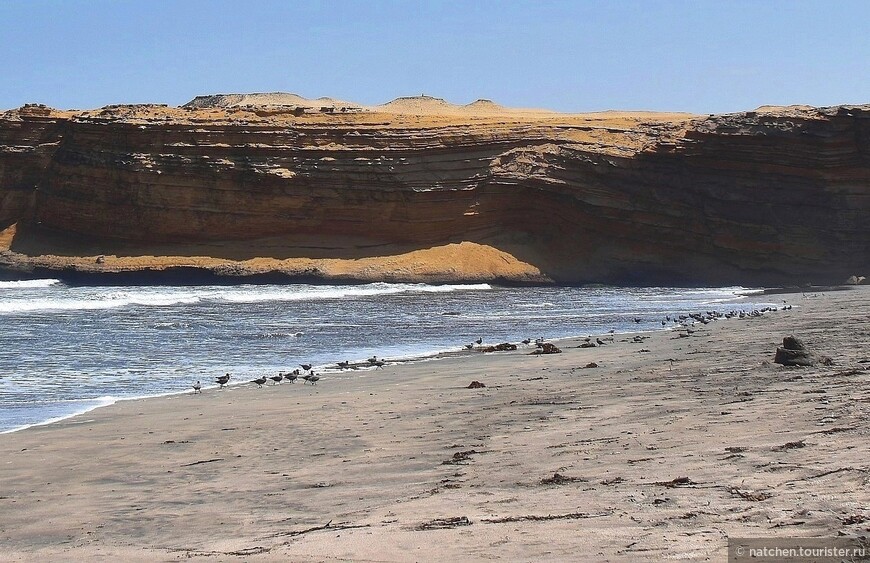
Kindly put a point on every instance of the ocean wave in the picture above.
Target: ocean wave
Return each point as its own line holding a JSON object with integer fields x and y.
{"x": 150, "y": 297}
{"x": 314, "y": 293}
{"x": 262, "y": 335}
{"x": 113, "y": 301}
{"x": 25, "y": 284}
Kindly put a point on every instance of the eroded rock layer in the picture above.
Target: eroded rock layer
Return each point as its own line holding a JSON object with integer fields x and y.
{"x": 780, "y": 195}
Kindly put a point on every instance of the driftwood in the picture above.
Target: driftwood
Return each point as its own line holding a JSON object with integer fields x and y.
{"x": 444, "y": 523}
{"x": 559, "y": 479}
{"x": 460, "y": 457}
{"x": 678, "y": 482}
{"x": 203, "y": 461}
{"x": 789, "y": 446}
{"x": 328, "y": 526}
{"x": 749, "y": 495}
{"x": 536, "y": 518}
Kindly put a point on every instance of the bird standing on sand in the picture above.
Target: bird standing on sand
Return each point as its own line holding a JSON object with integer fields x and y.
{"x": 527, "y": 341}
{"x": 469, "y": 346}
{"x": 306, "y": 367}
{"x": 197, "y": 388}
{"x": 344, "y": 365}
{"x": 379, "y": 364}
{"x": 277, "y": 378}
{"x": 222, "y": 380}
{"x": 314, "y": 379}
{"x": 259, "y": 381}
{"x": 373, "y": 359}
{"x": 291, "y": 377}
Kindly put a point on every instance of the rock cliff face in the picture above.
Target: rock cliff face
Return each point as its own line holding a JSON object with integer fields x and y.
{"x": 780, "y": 195}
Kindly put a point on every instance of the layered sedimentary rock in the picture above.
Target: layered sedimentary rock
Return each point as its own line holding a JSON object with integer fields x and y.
{"x": 780, "y": 195}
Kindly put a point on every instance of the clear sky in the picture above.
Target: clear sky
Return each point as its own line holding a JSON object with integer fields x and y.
{"x": 703, "y": 56}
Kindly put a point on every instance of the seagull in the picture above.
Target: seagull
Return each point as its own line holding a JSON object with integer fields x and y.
{"x": 527, "y": 341}
{"x": 306, "y": 367}
{"x": 373, "y": 359}
{"x": 310, "y": 376}
{"x": 344, "y": 365}
{"x": 259, "y": 381}
{"x": 222, "y": 380}
{"x": 291, "y": 377}
{"x": 379, "y": 364}
{"x": 313, "y": 379}
{"x": 479, "y": 340}
{"x": 197, "y": 388}
{"x": 277, "y": 378}
{"x": 599, "y": 341}
{"x": 469, "y": 346}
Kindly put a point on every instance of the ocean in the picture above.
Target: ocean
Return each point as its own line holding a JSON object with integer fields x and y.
{"x": 66, "y": 349}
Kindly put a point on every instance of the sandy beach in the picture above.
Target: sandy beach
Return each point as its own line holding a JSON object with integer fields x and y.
{"x": 667, "y": 448}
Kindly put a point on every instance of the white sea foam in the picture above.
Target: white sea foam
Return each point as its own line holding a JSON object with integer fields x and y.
{"x": 24, "y": 284}
{"x": 95, "y": 404}
{"x": 164, "y": 297}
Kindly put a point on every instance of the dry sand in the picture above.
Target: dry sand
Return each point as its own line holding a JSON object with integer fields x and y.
{"x": 248, "y": 474}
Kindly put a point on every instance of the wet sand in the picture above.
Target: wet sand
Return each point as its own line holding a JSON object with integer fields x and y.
{"x": 663, "y": 451}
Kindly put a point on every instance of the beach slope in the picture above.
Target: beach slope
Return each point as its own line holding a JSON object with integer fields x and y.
{"x": 664, "y": 450}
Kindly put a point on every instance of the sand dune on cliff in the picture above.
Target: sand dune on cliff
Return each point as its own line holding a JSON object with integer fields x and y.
{"x": 264, "y": 99}
{"x": 404, "y": 105}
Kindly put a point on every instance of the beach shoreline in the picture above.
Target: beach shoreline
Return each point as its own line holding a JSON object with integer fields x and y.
{"x": 550, "y": 460}
{"x": 331, "y": 368}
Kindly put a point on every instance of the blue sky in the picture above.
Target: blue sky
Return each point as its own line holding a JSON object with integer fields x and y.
{"x": 700, "y": 56}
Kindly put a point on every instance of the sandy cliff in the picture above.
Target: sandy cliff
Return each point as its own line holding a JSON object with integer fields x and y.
{"x": 423, "y": 190}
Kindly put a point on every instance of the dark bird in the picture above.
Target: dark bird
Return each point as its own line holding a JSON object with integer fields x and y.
{"x": 197, "y": 388}
{"x": 291, "y": 377}
{"x": 222, "y": 380}
{"x": 527, "y": 341}
{"x": 469, "y": 346}
{"x": 344, "y": 365}
{"x": 309, "y": 376}
{"x": 637, "y": 319}
{"x": 313, "y": 379}
{"x": 373, "y": 359}
{"x": 599, "y": 341}
{"x": 277, "y": 378}
{"x": 379, "y": 364}
{"x": 479, "y": 340}
{"x": 259, "y": 381}
{"x": 306, "y": 367}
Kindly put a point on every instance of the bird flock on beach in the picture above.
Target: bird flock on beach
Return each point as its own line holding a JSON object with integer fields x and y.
{"x": 306, "y": 374}
{"x": 683, "y": 321}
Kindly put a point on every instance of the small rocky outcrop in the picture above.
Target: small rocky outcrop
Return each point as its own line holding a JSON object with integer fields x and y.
{"x": 547, "y": 348}
{"x": 476, "y": 385}
{"x": 794, "y": 352}
{"x": 503, "y": 347}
